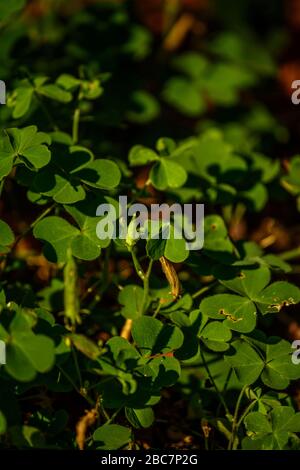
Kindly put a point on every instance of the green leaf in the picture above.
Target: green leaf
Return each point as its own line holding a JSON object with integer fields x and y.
{"x": 140, "y": 155}
{"x": 87, "y": 245}
{"x": 111, "y": 437}
{"x": 101, "y": 173}
{"x": 175, "y": 248}
{"x": 131, "y": 297}
{"x": 192, "y": 64}
{"x": 216, "y": 336}
{"x": 248, "y": 282}
{"x": 6, "y": 235}
{"x": 140, "y": 417}
{"x": 26, "y": 437}
{"x": 153, "y": 337}
{"x": 143, "y": 107}
{"x": 61, "y": 235}
{"x": 2, "y": 423}
{"x": 216, "y": 331}
{"x": 7, "y": 9}
{"x": 55, "y": 92}
{"x": 217, "y": 244}
{"x": 238, "y": 313}
{"x": 64, "y": 178}
{"x": 85, "y": 345}
{"x": 291, "y": 182}
{"x": 38, "y": 349}
{"x": 167, "y": 174}
{"x": 23, "y": 99}
{"x": 276, "y": 296}
{"x": 245, "y": 361}
{"x": 58, "y": 233}
{"x": 272, "y": 431}
{"x": 27, "y": 353}
{"x": 256, "y": 197}
{"x": 156, "y": 247}
{"x": 279, "y": 368}
{"x": 185, "y": 96}
{"x": 26, "y": 146}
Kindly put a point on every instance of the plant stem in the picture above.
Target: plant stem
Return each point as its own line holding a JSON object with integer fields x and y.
{"x": 214, "y": 384}
{"x": 137, "y": 265}
{"x": 231, "y": 442}
{"x": 33, "y": 224}
{"x": 104, "y": 412}
{"x": 291, "y": 254}
{"x": 87, "y": 398}
{"x": 247, "y": 410}
{"x": 157, "y": 310}
{"x": 105, "y": 277}
{"x": 204, "y": 289}
{"x": 146, "y": 287}
{"x": 113, "y": 417}
{"x": 77, "y": 368}
{"x": 75, "y": 131}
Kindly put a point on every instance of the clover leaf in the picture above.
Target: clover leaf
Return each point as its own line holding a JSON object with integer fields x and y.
{"x": 245, "y": 361}
{"x": 68, "y": 172}
{"x": 111, "y": 437}
{"x": 272, "y": 431}
{"x": 238, "y": 313}
{"x": 27, "y": 146}
{"x": 165, "y": 173}
{"x": 6, "y": 236}
{"x": 253, "y": 284}
{"x": 153, "y": 337}
{"x": 27, "y": 353}
{"x": 59, "y": 234}
{"x": 131, "y": 297}
{"x": 216, "y": 336}
{"x": 279, "y": 368}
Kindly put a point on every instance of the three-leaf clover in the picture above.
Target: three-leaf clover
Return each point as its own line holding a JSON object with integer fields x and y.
{"x": 27, "y": 146}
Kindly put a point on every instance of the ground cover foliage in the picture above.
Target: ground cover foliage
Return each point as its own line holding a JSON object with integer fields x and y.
{"x": 140, "y": 344}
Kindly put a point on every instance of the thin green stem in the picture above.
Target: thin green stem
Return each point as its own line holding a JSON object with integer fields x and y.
{"x": 33, "y": 224}
{"x": 104, "y": 412}
{"x": 87, "y": 398}
{"x": 137, "y": 265}
{"x": 231, "y": 442}
{"x": 243, "y": 416}
{"x": 204, "y": 289}
{"x": 214, "y": 384}
{"x": 113, "y": 417}
{"x": 146, "y": 287}
{"x": 157, "y": 310}
{"x": 291, "y": 254}
{"x": 76, "y": 121}
{"x": 77, "y": 368}
{"x": 105, "y": 276}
